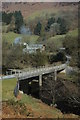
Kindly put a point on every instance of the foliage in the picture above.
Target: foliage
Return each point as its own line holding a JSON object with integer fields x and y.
{"x": 71, "y": 45}
{"x": 6, "y": 17}
{"x": 18, "y": 21}
{"x": 14, "y": 19}
{"x": 37, "y": 29}
{"x": 59, "y": 57}
{"x": 63, "y": 26}
{"x": 11, "y": 26}
{"x": 50, "y": 21}
{"x": 54, "y": 43}
{"x": 13, "y": 59}
{"x": 55, "y": 29}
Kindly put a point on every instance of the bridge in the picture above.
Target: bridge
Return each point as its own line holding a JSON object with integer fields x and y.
{"x": 41, "y": 71}
{"x": 31, "y": 76}
{"x": 33, "y": 72}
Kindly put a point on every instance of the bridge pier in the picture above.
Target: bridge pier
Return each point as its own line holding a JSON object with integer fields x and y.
{"x": 40, "y": 85}
{"x": 55, "y": 75}
{"x": 40, "y": 80}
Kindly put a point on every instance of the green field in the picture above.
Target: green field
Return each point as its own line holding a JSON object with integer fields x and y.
{"x": 8, "y": 88}
{"x": 10, "y": 36}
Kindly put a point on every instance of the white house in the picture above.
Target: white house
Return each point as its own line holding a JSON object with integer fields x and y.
{"x": 32, "y": 48}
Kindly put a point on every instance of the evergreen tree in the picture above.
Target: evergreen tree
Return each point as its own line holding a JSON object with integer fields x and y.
{"x": 50, "y": 21}
{"x": 6, "y": 17}
{"x": 63, "y": 27}
{"x": 12, "y": 24}
{"x": 18, "y": 21}
{"x": 37, "y": 29}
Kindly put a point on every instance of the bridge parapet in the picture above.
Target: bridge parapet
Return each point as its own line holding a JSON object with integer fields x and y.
{"x": 40, "y": 71}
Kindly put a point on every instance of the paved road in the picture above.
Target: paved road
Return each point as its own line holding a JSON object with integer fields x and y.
{"x": 40, "y": 71}
{"x": 35, "y": 72}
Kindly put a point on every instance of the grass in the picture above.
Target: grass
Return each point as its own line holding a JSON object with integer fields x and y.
{"x": 10, "y": 36}
{"x": 7, "y": 93}
{"x": 27, "y": 106}
{"x": 8, "y": 88}
{"x": 73, "y": 33}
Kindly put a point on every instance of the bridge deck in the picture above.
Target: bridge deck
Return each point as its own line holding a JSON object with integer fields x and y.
{"x": 40, "y": 71}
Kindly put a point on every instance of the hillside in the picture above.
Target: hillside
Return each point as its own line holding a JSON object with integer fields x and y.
{"x": 11, "y": 36}
{"x": 28, "y": 9}
{"x": 26, "y": 106}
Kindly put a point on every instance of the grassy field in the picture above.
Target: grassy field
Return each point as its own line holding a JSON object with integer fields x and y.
{"x": 10, "y": 36}
{"x": 8, "y": 88}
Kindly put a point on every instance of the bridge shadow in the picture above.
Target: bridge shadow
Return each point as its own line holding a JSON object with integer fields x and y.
{"x": 30, "y": 87}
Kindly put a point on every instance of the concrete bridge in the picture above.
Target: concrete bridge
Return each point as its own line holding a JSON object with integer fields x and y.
{"x": 41, "y": 71}
{"x": 34, "y": 72}
{"x": 28, "y": 77}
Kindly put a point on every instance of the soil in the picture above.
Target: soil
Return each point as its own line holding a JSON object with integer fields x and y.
{"x": 44, "y": 111}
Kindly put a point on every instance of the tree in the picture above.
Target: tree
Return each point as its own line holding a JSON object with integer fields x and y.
{"x": 37, "y": 29}
{"x": 50, "y": 21}
{"x": 62, "y": 23}
{"x": 12, "y": 24}
{"x": 55, "y": 29}
{"x": 6, "y": 17}
{"x": 71, "y": 45}
{"x": 18, "y": 21}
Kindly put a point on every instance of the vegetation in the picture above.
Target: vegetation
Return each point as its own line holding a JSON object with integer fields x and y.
{"x": 8, "y": 88}
{"x": 37, "y": 29}
{"x": 27, "y": 106}
{"x": 11, "y": 36}
{"x": 71, "y": 45}
{"x": 55, "y": 29}
{"x": 14, "y": 19}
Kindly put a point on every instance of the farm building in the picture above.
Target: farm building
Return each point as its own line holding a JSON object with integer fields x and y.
{"x": 32, "y": 48}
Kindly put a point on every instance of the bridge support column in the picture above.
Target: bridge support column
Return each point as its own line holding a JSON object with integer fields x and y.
{"x": 40, "y": 80}
{"x": 6, "y": 72}
{"x": 40, "y": 85}
{"x": 55, "y": 75}
{"x": 10, "y": 72}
